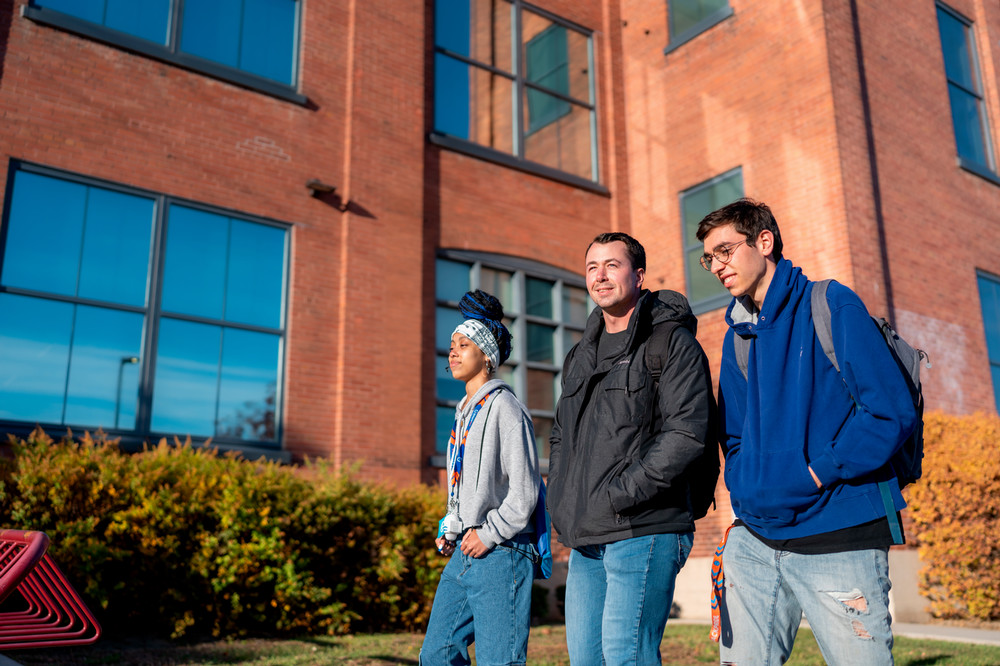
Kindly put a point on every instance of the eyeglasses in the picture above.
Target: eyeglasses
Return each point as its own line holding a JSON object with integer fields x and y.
{"x": 722, "y": 253}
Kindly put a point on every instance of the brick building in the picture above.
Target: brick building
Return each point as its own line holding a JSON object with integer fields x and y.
{"x": 252, "y": 220}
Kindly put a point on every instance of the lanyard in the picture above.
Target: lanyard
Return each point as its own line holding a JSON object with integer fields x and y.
{"x": 457, "y": 453}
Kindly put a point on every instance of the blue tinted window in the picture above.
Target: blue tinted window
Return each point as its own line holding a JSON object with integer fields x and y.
{"x": 51, "y": 210}
{"x": 703, "y": 287}
{"x": 257, "y": 36}
{"x": 444, "y": 420}
{"x": 104, "y": 368}
{"x": 65, "y": 359}
{"x": 247, "y": 385}
{"x": 194, "y": 273}
{"x": 688, "y": 15}
{"x": 147, "y": 19}
{"x": 88, "y": 10}
{"x": 254, "y": 284}
{"x": 452, "y": 21}
{"x": 185, "y": 395}
{"x": 35, "y": 339}
{"x": 967, "y": 110}
{"x": 989, "y": 298}
{"x": 547, "y": 64}
{"x": 451, "y": 96}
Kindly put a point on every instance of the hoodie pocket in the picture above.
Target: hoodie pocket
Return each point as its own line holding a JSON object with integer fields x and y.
{"x": 776, "y": 493}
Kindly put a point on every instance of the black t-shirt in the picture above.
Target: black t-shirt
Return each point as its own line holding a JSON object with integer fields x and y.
{"x": 608, "y": 343}
{"x": 873, "y": 534}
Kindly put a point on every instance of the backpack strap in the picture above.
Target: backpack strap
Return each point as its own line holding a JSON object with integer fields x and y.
{"x": 824, "y": 332}
{"x": 656, "y": 347}
{"x": 821, "y": 320}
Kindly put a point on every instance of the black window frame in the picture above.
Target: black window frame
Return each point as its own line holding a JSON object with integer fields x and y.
{"x": 170, "y": 52}
{"x": 134, "y": 439}
{"x": 987, "y": 171}
{"x": 521, "y": 84}
{"x": 707, "y": 22}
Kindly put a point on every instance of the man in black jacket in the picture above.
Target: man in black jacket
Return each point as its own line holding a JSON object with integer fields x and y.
{"x": 622, "y": 448}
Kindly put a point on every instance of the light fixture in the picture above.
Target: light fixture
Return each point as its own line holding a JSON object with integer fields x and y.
{"x": 318, "y": 187}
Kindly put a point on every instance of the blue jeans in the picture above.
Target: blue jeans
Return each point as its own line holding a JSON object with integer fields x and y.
{"x": 844, "y": 596}
{"x": 618, "y": 598}
{"x": 487, "y": 598}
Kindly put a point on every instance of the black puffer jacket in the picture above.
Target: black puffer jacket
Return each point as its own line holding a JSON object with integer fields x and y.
{"x": 619, "y": 446}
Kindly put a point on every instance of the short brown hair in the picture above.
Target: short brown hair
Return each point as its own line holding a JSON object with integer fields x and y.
{"x": 748, "y": 217}
{"x": 633, "y": 248}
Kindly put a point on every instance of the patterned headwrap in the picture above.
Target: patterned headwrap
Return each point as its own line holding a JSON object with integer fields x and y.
{"x": 484, "y": 326}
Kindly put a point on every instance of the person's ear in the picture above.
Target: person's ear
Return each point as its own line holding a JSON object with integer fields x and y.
{"x": 765, "y": 243}
{"x": 640, "y": 275}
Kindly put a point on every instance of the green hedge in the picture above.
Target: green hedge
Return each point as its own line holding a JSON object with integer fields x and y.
{"x": 184, "y": 541}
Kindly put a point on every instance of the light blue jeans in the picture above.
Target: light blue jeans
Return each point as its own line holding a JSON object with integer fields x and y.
{"x": 844, "y": 596}
{"x": 487, "y": 598}
{"x": 618, "y": 598}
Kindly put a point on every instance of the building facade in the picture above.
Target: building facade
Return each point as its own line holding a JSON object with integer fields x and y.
{"x": 251, "y": 220}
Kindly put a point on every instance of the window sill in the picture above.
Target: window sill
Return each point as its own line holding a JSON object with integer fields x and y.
{"x": 504, "y": 159}
{"x": 705, "y": 24}
{"x": 160, "y": 52}
{"x": 979, "y": 170}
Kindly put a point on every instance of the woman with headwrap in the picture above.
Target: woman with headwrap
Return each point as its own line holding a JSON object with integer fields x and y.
{"x": 493, "y": 485}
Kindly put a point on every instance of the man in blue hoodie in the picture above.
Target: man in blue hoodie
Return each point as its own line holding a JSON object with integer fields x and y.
{"x": 803, "y": 460}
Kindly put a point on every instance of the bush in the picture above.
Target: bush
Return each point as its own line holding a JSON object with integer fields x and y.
{"x": 955, "y": 509}
{"x": 184, "y": 541}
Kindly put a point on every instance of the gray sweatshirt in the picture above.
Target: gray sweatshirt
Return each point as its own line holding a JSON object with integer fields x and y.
{"x": 498, "y": 488}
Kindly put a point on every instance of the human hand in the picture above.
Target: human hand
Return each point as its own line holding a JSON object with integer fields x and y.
{"x": 472, "y": 545}
{"x": 815, "y": 478}
{"x": 444, "y": 546}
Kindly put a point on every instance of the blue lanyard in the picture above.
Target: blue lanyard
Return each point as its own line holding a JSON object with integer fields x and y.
{"x": 457, "y": 452}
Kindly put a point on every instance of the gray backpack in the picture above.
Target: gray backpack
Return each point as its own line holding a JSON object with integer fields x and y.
{"x": 906, "y": 463}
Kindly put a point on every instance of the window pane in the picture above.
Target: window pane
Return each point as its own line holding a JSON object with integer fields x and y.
{"x": 451, "y": 280}
{"x": 507, "y": 374}
{"x": 211, "y": 30}
{"x": 88, "y": 10}
{"x": 556, "y": 57}
{"x": 116, "y": 247}
{"x": 448, "y": 388}
{"x": 501, "y": 285}
{"x": 955, "y": 47}
{"x": 966, "y": 118}
{"x": 543, "y": 429}
{"x": 476, "y": 29}
{"x": 255, "y": 283}
{"x": 696, "y": 204}
{"x": 247, "y": 386}
{"x": 563, "y": 142}
{"x": 575, "y": 306}
{"x": 446, "y": 320}
{"x": 194, "y": 270}
{"x": 541, "y": 390}
{"x": 989, "y": 297}
{"x": 187, "y": 378}
{"x": 103, "y": 386}
{"x": 45, "y": 229}
{"x": 473, "y": 104}
{"x": 538, "y": 297}
{"x": 686, "y": 14}
{"x": 995, "y": 373}
{"x": 35, "y": 337}
{"x": 444, "y": 421}
{"x": 148, "y": 19}
{"x": 268, "y": 39}
{"x": 541, "y": 343}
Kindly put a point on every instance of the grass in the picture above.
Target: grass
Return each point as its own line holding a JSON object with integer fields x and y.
{"x": 682, "y": 644}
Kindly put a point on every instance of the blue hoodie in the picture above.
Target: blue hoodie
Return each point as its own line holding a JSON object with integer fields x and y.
{"x": 794, "y": 411}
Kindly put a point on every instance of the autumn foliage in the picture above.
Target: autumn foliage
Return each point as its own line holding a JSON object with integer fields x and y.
{"x": 955, "y": 509}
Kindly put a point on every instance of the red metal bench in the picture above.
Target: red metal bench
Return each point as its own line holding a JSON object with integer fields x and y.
{"x": 55, "y": 615}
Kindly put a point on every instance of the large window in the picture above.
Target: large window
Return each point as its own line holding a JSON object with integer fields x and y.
{"x": 705, "y": 292}
{"x": 689, "y": 18}
{"x": 249, "y": 42}
{"x": 515, "y": 84}
{"x": 968, "y": 112}
{"x": 138, "y": 313}
{"x": 989, "y": 297}
{"x": 546, "y": 312}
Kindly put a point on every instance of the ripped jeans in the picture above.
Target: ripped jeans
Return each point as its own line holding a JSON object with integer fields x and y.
{"x": 844, "y": 596}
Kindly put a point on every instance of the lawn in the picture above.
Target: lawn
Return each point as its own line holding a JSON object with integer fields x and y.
{"x": 682, "y": 644}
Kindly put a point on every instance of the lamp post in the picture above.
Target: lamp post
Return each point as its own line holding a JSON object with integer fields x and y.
{"x": 126, "y": 360}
